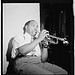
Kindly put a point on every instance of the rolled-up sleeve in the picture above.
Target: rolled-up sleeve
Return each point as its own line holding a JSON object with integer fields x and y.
{"x": 18, "y": 41}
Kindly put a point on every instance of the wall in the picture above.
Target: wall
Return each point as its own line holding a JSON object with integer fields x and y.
{"x": 14, "y": 17}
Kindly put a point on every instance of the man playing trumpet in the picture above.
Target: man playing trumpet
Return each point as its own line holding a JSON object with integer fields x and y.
{"x": 31, "y": 55}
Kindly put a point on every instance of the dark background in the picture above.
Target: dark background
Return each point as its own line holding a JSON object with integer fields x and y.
{"x": 58, "y": 18}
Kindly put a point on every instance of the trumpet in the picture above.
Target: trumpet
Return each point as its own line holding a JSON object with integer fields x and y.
{"x": 48, "y": 38}
{"x": 64, "y": 40}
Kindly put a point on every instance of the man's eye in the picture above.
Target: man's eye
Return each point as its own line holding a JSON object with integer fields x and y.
{"x": 33, "y": 25}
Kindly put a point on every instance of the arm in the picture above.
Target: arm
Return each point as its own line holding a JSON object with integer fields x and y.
{"x": 28, "y": 47}
{"x": 44, "y": 54}
{"x": 24, "y": 49}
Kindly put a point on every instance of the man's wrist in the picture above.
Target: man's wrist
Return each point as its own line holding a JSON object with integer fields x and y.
{"x": 38, "y": 40}
{"x": 46, "y": 47}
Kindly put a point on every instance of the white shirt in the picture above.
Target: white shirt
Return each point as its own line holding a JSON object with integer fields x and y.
{"x": 20, "y": 40}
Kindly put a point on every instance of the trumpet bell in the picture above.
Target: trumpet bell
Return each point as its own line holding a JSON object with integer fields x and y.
{"x": 65, "y": 42}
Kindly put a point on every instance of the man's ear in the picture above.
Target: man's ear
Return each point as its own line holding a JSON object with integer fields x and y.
{"x": 26, "y": 27}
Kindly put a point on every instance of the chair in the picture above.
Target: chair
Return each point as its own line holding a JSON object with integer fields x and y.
{"x": 10, "y": 68}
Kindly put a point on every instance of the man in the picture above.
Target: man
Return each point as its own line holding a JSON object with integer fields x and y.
{"x": 29, "y": 57}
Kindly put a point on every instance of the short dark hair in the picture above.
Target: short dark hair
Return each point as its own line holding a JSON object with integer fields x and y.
{"x": 27, "y": 23}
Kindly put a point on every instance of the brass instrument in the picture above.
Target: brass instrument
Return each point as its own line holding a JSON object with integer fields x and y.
{"x": 64, "y": 40}
{"x": 48, "y": 38}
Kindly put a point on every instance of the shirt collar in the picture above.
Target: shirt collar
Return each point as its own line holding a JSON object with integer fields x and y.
{"x": 26, "y": 34}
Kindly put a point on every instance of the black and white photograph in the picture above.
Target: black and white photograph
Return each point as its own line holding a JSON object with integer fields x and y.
{"x": 37, "y": 38}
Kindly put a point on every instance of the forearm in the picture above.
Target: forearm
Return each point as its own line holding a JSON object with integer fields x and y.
{"x": 28, "y": 47}
{"x": 44, "y": 54}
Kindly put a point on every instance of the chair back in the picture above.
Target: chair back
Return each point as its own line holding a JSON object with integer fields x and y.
{"x": 9, "y": 50}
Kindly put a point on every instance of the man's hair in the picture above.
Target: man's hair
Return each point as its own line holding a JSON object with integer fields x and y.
{"x": 27, "y": 23}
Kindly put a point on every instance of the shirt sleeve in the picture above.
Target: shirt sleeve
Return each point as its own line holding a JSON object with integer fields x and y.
{"x": 16, "y": 42}
{"x": 21, "y": 40}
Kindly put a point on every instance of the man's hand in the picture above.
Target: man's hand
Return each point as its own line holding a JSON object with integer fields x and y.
{"x": 43, "y": 34}
{"x": 45, "y": 41}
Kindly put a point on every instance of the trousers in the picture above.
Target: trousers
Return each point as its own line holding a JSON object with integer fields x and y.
{"x": 34, "y": 66}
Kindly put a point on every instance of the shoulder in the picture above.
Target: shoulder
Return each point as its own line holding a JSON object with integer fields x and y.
{"x": 19, "y": 38}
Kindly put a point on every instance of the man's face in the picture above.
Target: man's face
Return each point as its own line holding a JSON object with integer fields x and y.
{"x": 32, "y": 28}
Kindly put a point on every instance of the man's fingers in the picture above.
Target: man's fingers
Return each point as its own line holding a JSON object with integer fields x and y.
{"x": 45, "y": 31}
